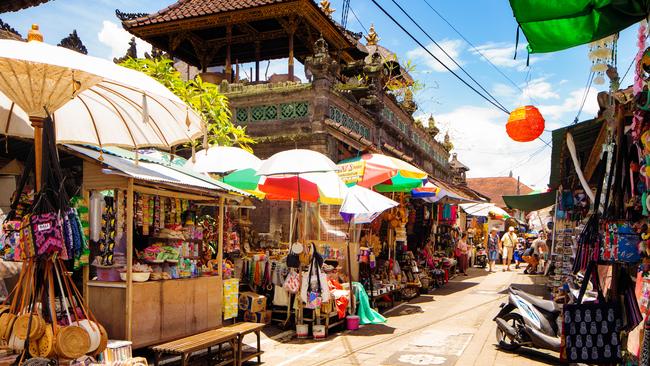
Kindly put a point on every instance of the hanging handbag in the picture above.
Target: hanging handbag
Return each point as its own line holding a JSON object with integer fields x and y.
{"x": 292, "y": 282}
{"x": 293, "y": 259}
{"x": 590, "y": 332}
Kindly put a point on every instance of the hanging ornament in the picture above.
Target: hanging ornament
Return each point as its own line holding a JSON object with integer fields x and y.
{"x": 601, "y": 54}
{"x": 525, "y": 124}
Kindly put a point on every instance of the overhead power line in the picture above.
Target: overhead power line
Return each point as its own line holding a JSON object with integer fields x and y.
{"x": 476, "y": 49}
{"x": 358, "y": 21}
{"x": 448, "y": 55}
{"x": 499, "y": 107}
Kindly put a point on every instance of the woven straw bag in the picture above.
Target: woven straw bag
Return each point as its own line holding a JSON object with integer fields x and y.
{"x": 44, "y": 347}
{"x": 72, "y": 342}
{"x": 37, "y": 328}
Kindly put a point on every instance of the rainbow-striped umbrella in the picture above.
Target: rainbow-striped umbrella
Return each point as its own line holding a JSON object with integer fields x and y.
{"x": 382, "y": 173}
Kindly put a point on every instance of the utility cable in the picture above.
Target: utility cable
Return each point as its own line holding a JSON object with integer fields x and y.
{"x": 474, "y": 47}
{"x": 504, "y": 110}
{"x": 359, "y": 21}
{"x": 584, "y": 96}
{"x": 447, "y": 54}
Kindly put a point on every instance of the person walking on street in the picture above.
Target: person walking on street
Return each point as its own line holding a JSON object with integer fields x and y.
{"x": 508, "y": 243}
{"x": 492, "y": 248}
{"x": 463, "y": 250}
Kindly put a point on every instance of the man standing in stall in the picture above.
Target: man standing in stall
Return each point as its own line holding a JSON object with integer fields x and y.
{"x": 507, "y": 247}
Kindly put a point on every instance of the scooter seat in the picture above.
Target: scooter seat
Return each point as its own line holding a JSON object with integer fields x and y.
{"x": 546, "y": 305}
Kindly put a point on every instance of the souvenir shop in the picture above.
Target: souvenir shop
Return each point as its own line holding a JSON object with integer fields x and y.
{"x": 155, "y": 242}
{"x": 601, "y": 228}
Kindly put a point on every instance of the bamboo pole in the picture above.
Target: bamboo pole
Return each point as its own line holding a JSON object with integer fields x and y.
{"x": 222, "y": 204}
{"x": 129, "y": 259}
{"x": 86, "y": 269}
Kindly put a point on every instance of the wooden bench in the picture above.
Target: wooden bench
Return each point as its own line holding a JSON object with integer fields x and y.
{"x": 198, "y": 342}
{"x": 241, "y": 330}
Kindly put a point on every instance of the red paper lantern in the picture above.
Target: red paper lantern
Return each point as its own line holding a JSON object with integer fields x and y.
{"x": 525, "y": 124}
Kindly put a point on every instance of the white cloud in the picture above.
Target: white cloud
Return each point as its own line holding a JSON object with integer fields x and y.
{"x": 570, "y": 106}
{"x": 532, "y": 92}
{"x": 480, "y": 139}
{"x": 502, "y": 54}
{"x": 118, "y": 40}
{"x": 453, "y": 47}
{"x": 539, "y": 89}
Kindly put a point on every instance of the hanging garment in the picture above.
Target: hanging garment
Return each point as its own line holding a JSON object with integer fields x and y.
{"x": 367, "y": 315}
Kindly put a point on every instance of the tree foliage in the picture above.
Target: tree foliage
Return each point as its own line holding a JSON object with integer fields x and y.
{"x": 202, "y": 96}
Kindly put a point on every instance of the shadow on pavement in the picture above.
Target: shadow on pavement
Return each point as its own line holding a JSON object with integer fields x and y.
{"x": 422, "y": 299}
{"x": 534, "y": 355}
{"x": 532, "y": 289}
{"x": 402, "y": 310}
{"x": 453, "y": 287}
{"x": 371, "y": 330}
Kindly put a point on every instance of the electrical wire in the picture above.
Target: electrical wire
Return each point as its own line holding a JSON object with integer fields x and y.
{"x": 525, "y": 160}
{"x": 584, "y": 96}
{"x": 628, "y": 69}
{"x": 447, "y": 54}
{"x": 474, "y": 47}
{"x": 358, "y": 21}
{"x": 437, "y": 59}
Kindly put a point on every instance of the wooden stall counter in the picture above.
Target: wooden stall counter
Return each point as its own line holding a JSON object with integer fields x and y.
{"x": 162, "y": 310}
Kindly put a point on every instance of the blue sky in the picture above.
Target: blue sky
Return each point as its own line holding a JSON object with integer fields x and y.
{"x": 556, "y": 82}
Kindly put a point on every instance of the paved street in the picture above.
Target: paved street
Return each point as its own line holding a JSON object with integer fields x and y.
{"x": 453, "y": 326}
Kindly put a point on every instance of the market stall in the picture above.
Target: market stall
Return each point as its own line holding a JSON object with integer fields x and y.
{"x": 151, "y": 249}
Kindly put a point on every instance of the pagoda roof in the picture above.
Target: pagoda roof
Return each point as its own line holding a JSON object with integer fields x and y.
{"x": 15, "y": 5}
{"x": 196, "y": 30}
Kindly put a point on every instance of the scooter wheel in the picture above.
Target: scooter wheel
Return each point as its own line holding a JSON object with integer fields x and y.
{"x": 514, "y": 320}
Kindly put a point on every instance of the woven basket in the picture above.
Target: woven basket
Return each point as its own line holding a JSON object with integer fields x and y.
{"x": 22, "y": 322}
{"x": 103, "y": 341}
{"x": 44, "y": 347}
{"x": 72, "y": 342}
{"x": 6, "y": 324}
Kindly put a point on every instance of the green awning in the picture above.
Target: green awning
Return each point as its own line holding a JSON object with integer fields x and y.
{"x": 531, "y": 202}
{"x": 553, "y": 25}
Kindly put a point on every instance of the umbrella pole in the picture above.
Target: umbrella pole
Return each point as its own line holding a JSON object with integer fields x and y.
{"x": 37, "y": 123}
{"x": 352, "y": 302}
{"x": 291, "y": 223}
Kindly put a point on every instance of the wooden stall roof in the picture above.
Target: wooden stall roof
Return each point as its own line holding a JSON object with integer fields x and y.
{"x": 196, "y": 30}
{"x": 152, "y": 174}
{"x": 15, "y": 5}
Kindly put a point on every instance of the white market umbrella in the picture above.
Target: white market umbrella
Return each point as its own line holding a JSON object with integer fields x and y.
{"x": 362, "y": 206}
{"x": 95, "y": 101}
{"x": 223, "y": 159}
{"x": 297, "y": 161}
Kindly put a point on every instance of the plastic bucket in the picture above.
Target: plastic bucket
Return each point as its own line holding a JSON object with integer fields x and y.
{"x": 302, "y": 330}
{"x": 319, "y": 332}
{"x": 352, "y": 322}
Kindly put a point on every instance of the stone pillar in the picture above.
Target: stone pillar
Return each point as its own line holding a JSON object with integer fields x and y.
{"x": 291, "y": 33}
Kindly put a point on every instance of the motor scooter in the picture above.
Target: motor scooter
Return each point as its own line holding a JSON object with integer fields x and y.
{"x": 481, "y": 256}
{"x": 529, "y": 321}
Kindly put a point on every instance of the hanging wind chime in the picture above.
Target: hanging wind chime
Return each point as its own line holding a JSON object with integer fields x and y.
{"x": 601, "y": 55}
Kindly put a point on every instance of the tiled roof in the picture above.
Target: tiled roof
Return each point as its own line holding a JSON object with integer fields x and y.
{"x": 183, "y": 9}
{"x": 496, "y": 187}
{"x": 14, "y": 5}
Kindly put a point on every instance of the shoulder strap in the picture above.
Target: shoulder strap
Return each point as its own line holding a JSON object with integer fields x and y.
{"x": 591, "y": 274}
{"x": 29, "y": 166}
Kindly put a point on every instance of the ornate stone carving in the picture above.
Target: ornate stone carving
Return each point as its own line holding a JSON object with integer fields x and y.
{"x": 131, "y": 52}
{"x": 128, "y": 16}
{"x": 326, "y": 7}
{"x": 372, "y": 38}
{"x": 408, "y": 105}
{"x": 73, "y": 42}
{"x": 7, "y": 32}
{"x": 321, "y": 65}
{"x": 432, "y": 130}
{"x": 447, "y": 142}
{"x": 156, "y": 53}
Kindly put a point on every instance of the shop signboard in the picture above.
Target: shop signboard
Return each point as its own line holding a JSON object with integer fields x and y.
{"x": 499, "y": 224}
{"x": 352, "y": 172}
